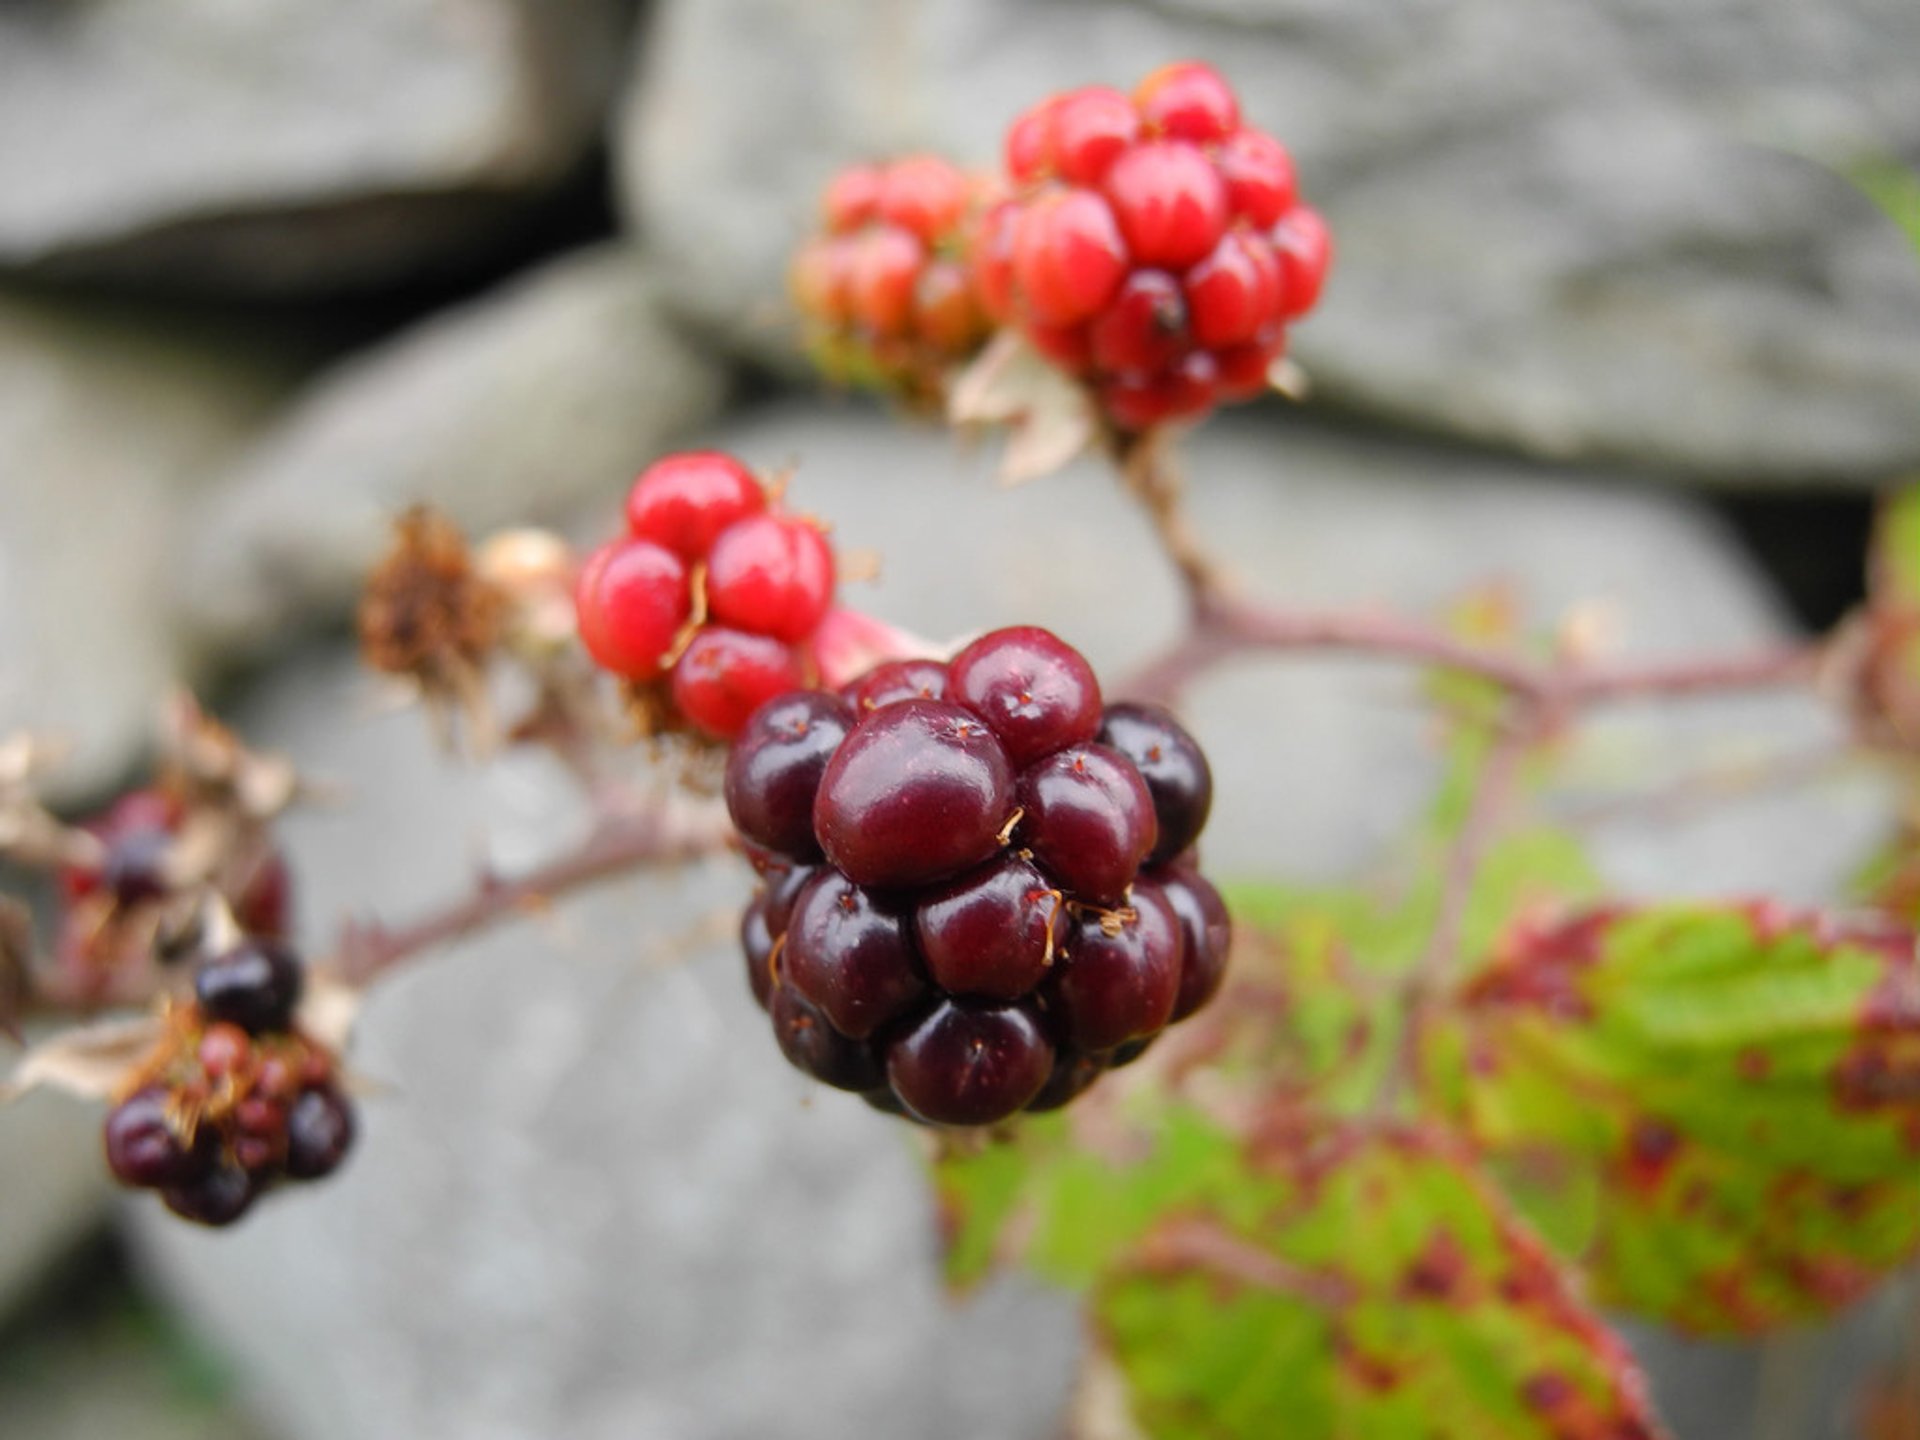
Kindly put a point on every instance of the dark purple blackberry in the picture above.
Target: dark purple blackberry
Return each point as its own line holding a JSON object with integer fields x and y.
{"x": 220, "y": 1196}
{"x": 320, "y": 1132}
{"x": 255, "y": 985}
{"x": 1174, "y": 767}
{"x": 144, "y": 1150}
{"x": 851, "y": 955}
{"x": 810, "y": 1043}
{"x": 919, "y": 791}
{"x": 894, "y": 681}
{"x": 1088, "y": 820}
{"x": 774, "y": 769}
{"x": 1034, "y": 691}
{"x": 1072, "y": 1074}
{"x": 993, "y": 931}
{"x": 1119, "y": 975}
{"x": 1206, "y": 932}
{"x": 970, "y": 1063}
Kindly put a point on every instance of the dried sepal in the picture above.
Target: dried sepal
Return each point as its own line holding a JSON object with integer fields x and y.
{"x": 95, "y": 1062}
{"x": 208, "y": 766}
{"x": 1051, "y": 421}
{"x": 29, "y": 833}
{"x": 16, "y": 965}
{"x": 428, "y": 616}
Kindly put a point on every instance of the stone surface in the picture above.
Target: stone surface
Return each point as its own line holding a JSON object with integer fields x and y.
{"x": 108, "y": 418}
{"x": 511, "y": 409}
{"x": 54, "y": 1188}
{"x": 1562, "y": 226}
{"x": 594, "y": 1202}
{"x": 288, "y": 146}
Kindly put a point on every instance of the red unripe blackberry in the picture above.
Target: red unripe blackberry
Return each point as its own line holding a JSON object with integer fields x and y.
{"x": 1188, "y": 100}
{"x": 887, "y": 299}
{"x": 1154, "y": 247}
{"x": 919, "y": 791}
{"x": 1170, "y": 202}
{"x": 724, "y": 675}
{"x": 1068, "y": 257}
{"x": 979, "y": 936}
{"x": 682, "y": 502}
{"x": 632, "y": 599}
{"x": 970, "y": 1063}
{"x": 772, "y": 575}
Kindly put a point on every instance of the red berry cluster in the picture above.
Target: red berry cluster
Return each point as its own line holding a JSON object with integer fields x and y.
{"x": 235, "y": 1099}
{"x": 886, "y": 294}
{"x": 978, "y": 887}
{"x": 706, "y": 603}
{"x": 1154, "y": 247}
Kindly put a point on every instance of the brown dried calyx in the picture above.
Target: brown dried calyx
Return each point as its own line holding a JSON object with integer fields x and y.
{"x": 426, "y": 612}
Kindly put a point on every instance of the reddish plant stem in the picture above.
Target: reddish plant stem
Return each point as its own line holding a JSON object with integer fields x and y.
{"x": 1199, "y": 1246}
{"x": 662, "y": 834}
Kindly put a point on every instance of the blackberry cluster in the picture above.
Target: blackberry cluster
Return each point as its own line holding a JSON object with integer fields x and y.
{"x": 234, "y": 1099}
{"x": 1155, "y": 247}
{"x": 979, "y": 891}
{"x": 885, "y": 293}
{"x": 705, "y": 603}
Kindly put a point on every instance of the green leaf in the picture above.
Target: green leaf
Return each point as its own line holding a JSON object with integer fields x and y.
{"x": 1718, "y": 1108}
{"x": 1895, "y": 189}
{"x": 1380, "y": 1290}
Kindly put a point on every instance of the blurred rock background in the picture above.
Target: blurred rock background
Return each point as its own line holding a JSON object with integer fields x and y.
{"x": 1599, "y": 329}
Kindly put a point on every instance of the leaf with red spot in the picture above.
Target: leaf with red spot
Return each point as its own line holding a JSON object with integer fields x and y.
{"x": 1718, "y": 1109}
{"x": 1374, "y": 1285}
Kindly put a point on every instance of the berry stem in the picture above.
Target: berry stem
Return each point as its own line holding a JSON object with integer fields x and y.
{"x": 1224, "y": 628}
{"x": 1147, "y": 469}
{"x": 660, "y": 834}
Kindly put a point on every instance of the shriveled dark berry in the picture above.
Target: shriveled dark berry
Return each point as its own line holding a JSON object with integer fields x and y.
{"x": 970, "y": 1063}
{"x": 1174, "y": 767}
{"x": 919, "y": 791}
{"x": 144, "y": 1150}
{"x": 320, "y": 1132}
{"x": 1119, "y": 976}
{"x": 851, "y": 955}
{"x": 993, "y": 931}
{"x": 894, "y": 680}
{"x": 220, "y": 1196}
{"x": 810, "y": 1043}
{"x": 1088, "y": 820}
{"x": 255, "y": 985}
{"x": 1036, "y": 692}
{"x": 774, "y": 769}
{"x": 1207, "y": 932}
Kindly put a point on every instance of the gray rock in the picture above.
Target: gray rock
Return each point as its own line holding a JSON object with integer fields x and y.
{"x": 108, "y": 419}
{"x": 594, "y": 1202}
{"x": 511, "y": 409}
{"x": 54, "y": 1188}
{"x": 1562, "y": 227}
{"x": 288, "y": 146}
